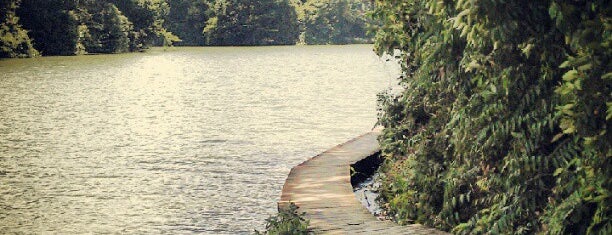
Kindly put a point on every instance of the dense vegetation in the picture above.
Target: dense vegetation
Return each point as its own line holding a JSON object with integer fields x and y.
{"x": 249, "y": 22}
{"x": 504, "y": 124}
{"x": 187, "y": 19}
{"x": 14, "y": 40}
{"x": 334, "y": 22}
{"x": 252, "y": 22}
{"x": 69, "y": 27}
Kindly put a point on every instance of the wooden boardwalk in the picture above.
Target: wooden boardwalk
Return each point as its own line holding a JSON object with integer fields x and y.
{"x": 321, "y": 187}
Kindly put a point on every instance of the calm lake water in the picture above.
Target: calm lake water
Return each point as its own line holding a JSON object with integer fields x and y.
{"x": 188, "y": 140}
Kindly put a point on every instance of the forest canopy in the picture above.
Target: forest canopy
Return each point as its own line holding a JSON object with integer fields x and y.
{"x": 70, "y": 27}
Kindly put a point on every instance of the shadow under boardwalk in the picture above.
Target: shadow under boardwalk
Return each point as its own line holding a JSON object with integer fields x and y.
{"x": 321, "y": 187}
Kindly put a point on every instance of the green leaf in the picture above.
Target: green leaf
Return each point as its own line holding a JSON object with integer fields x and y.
{"x": 558, "y": 171}
{"x": 565, "y": 64}
{"x": 585, "y": 67}
{"x": 567, "y": 109}
{"x": 557, "y": 137}
{"x": 570, "y": 75}
{"x": 609, "y": 110}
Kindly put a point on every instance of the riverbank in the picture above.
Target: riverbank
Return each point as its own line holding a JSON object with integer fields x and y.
{"x": 365, "y": 182}
{"x": 367, "y": 192}
{"x": 321, "y": 188}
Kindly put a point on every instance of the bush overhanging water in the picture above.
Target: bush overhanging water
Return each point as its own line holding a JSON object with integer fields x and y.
{"x": 504, "y": 124}
{"x": 287, "y": 221}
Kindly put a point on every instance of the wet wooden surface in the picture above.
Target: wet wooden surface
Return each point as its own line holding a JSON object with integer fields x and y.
{"x": 321, "y": 187}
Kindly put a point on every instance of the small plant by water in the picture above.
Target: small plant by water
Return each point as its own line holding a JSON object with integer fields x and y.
{"x": 287, "y": 221}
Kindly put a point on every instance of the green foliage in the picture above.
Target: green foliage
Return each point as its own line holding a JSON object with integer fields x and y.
{"x": 107, "y": 28}
{"x": 288, "y": 221}
{"x": 14, "y": 40}
{"x": 69, "y": 27}
{"x": 147, "y": 17}
{"x": 334, "y": 21}
{"x": 187, "y": 19}
{"x": 52, "y": 25}
{"x": 503, "y": 125}
{"x": 251, "y": 22}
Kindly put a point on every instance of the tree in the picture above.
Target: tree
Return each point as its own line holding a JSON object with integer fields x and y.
{"x": 107, "y": 29}
{"x": 250, "y": 22}
{"x": 52, "y": 25}
{"x": 187, "y": 20}
{"x": 14, "y": 40}
{"x": 147, "y": 17}
{"x": 334, "y": 21}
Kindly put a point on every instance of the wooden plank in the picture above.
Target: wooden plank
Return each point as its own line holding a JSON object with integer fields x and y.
{"x": 321, "y": 187}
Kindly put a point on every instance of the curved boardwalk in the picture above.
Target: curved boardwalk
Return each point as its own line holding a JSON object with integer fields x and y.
{"x": 321, "y": 187}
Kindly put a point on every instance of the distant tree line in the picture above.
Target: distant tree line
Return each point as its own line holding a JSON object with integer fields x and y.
{"x": 334, "y": 22}
{"x": 71, "y": 27}
{"x": 269, "y": 22}
{"x": 251, "y": 22}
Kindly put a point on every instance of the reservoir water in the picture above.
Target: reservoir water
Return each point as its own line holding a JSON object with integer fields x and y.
{"x": 177, "y": 141}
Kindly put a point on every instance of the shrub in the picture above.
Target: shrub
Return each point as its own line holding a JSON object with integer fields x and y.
{"x": 504, "y": 124}
{"x": 287, "y": 221}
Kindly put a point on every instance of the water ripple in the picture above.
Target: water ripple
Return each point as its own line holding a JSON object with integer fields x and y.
{"x": 190, "y": 140}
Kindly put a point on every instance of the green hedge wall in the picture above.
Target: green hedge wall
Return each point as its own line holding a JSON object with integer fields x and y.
{"x": 504, "y": 124}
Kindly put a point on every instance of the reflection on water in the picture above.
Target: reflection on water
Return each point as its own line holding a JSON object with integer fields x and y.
{"x": 182, "y": 141}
